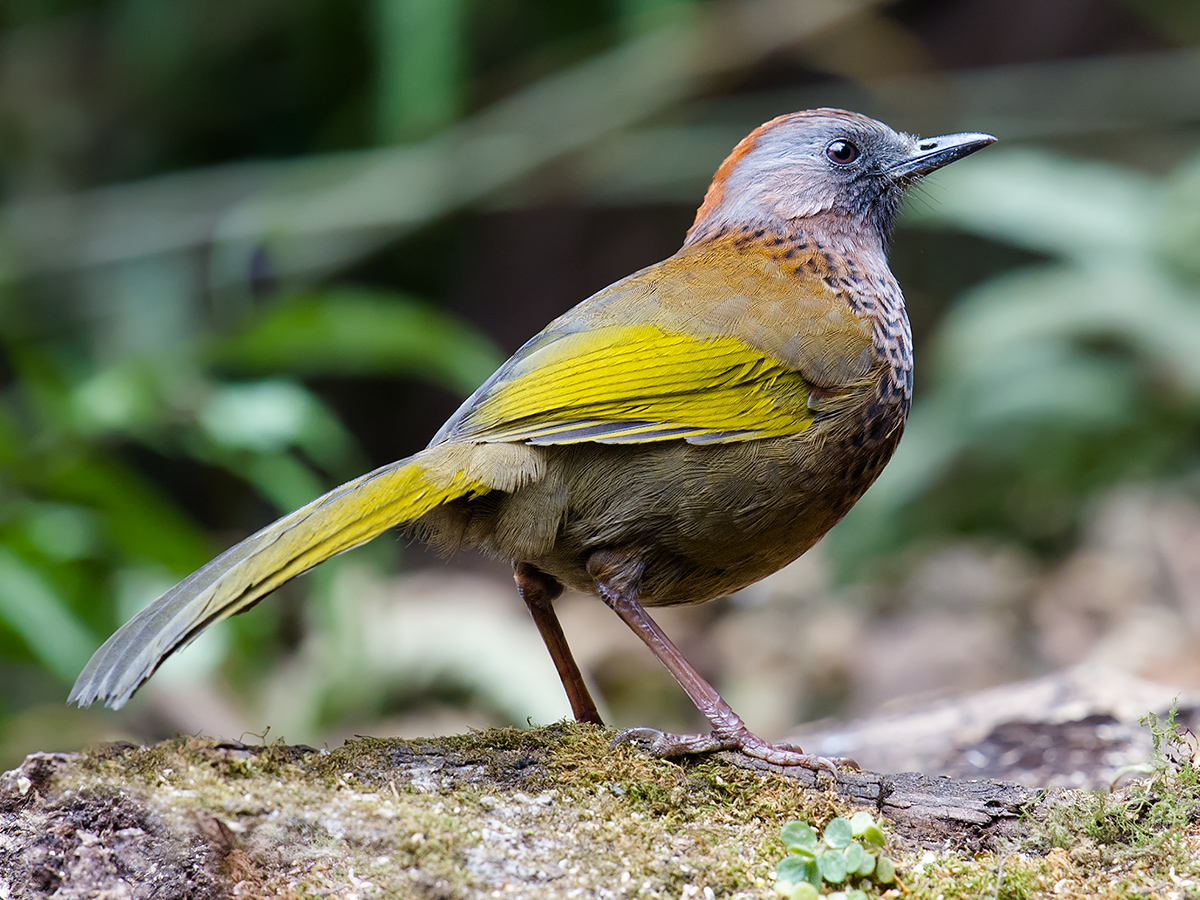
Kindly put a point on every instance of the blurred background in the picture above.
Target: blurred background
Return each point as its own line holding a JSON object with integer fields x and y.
{"x": 251, "y": 248}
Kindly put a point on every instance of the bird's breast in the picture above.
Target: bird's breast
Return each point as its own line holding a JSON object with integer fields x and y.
{"x": 859, "y": 278}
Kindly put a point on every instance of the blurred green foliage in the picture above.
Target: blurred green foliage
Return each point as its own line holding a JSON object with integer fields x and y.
{"x": 203, "y": 202}
{"x": 157, "y": 346}
{"x": 76, "y": 514}
{"x": 1053, "y": 381}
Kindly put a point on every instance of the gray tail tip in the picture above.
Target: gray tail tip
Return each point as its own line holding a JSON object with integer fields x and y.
{"x": 83, "y": 696}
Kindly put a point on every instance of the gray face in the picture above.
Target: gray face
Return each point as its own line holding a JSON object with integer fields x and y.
{"x": 832, "y": 161}
{"x": 836, "y": 163}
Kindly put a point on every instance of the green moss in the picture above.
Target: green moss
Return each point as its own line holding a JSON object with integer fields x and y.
{"x": 445, "y": 817}
{"x": 985, "y": 875}
{"x": 558, "y": 808}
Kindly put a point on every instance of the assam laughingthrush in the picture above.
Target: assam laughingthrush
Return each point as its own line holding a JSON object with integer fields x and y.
{"x": 675, "y": 437}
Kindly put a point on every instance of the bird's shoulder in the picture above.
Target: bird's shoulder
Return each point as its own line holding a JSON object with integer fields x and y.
{"x": 790, "y": 298}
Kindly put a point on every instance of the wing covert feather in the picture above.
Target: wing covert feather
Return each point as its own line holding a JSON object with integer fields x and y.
{"x": 637, "y": 383}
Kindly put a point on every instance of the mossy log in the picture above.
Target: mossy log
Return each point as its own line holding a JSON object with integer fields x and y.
{"x": 552, "y": 812}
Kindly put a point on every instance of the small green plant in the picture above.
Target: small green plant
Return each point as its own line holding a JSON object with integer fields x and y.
{"x": 1176, "y": 749}
{"x": 1174, "y": 785}
{"x": 846, "y": 851}
{"x": 1148, "y": 819}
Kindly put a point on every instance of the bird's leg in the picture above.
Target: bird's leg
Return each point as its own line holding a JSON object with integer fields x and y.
{"x": 539, "y": 592}
{"x": 618, "y": 584}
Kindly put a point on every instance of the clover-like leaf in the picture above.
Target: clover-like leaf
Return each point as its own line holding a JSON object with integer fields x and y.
{"x": 864, "y": 827}
{"x": 885, "y": 870}
{"x": 796, "y": 869}
{"x": 867, "y": 866}
{"x": 799, "y": 836}
{"x": 854, "y": 854}
{"x": 801, "y": 891}
{"x": 872, "y": 838}
{"x": 792, "y": 869}
{"x": 860, "y": 822}
{"x": 838, "y": 833}
{"x": 832, "y": 864}
{"x": 856, "y": 894}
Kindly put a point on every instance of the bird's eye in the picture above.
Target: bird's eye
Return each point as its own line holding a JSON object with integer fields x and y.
{"x": 842, "y": 152}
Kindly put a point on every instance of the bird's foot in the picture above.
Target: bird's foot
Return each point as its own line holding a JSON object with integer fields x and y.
{"x": 663, "y": 745}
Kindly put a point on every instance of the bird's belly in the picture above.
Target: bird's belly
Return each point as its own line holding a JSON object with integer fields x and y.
{"x": 708, "y": 520}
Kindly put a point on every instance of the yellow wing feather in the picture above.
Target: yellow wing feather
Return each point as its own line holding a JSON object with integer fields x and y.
{"x": 637, "y": 383}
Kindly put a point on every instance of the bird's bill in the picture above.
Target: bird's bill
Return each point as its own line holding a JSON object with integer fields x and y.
{"x": 935, "y": 152}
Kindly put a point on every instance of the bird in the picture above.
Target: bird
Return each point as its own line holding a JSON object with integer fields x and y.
{"x": 672, "y": 439}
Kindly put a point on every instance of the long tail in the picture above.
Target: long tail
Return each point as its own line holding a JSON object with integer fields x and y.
{"x": 345, "y": 517}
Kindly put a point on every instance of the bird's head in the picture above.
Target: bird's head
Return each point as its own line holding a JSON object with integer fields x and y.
{"x": 824, "y": 170}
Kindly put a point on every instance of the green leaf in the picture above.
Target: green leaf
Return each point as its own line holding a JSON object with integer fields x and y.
{"x": 867, "y": 866}
{"x": 1179, "y": 230}
{"x": 873, "y": 837}
{"x": 641, "y": 16}
{"x": 1104, "y": 299}
{"x": 856, "y": 894}
{"x": 282, "y": 479}
{"x": 802, "y": 891}
{"x": 136, "y": 519}
{"x": 799, "y": 836}
{"x": 795, "y": 869}
{"x": 885, "y": 870}
{"x": 1048, "y": 204}
{"x": 832, "y": 865}
{"x": 355, "y": 331}
{"x": 419, "y": 50}
{"x": 838, "y": 833}
{"x": 62, "y": 531}
{"x": 860, "y": 822}
{"x": 854, "y": 856}
{"x": 261, "y": 416}
{"x": 33, "y": 609}
{"x": 125, "y": 396}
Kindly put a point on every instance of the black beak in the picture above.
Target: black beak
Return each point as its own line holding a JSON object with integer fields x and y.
{"x": 935, "y": 152}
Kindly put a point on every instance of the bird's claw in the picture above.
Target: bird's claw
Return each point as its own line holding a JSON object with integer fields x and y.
{"x": 833, "y": 764}
{"x": 664, "y": 745}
